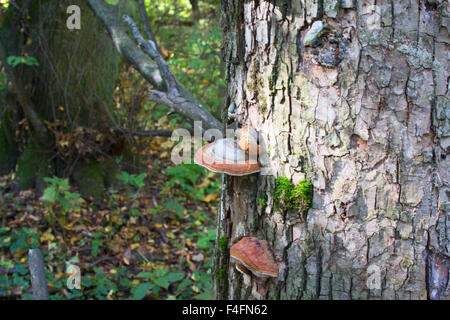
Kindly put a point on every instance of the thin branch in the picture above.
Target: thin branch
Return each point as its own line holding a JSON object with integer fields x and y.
{"x": 145, "y": 22}
{"x": 24, "y": 101}
{"x": 147, "y": 133}
{"x": 175, "y": 95}
{"x": 140, "y": 61}
{"x": 151, "y": 49}
{"x": 144, "y": 133}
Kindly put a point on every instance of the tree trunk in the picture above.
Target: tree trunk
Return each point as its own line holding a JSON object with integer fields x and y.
{"x": 71, "y": 93}
{"x": 361, "y": 111}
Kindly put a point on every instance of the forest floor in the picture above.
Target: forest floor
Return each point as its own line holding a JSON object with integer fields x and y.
{"x": 152, "y": 238}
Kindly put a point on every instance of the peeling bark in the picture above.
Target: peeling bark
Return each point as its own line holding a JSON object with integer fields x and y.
{"x": 363, "y": 114}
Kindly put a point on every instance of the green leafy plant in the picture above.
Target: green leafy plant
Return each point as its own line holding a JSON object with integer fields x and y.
{"x": 60, "y": 200}
{"x": 15, "y": 61}
{"x": 159, "y": 279}
{"x": 22, "y": 239}
{"x": 186, "y": 177}
{"x": 58, "y": 193}
{"x": 206, "y": 239}
{"x": 132, "y": 179}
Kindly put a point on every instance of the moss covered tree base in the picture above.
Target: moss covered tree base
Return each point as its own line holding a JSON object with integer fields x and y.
{"x": 89, "y": 177}
{"x": 34, "y": 164}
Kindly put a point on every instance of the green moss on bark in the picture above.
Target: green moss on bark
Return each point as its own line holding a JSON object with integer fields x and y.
{"x": 288, "y": 197}
{"x": 221, "y": 274}
{"x": 89, "y": 178}
{"x": 33, "y": 166}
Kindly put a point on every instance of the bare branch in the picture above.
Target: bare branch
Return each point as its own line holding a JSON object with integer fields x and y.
{"x": 167, "y": 88}
{"x": 152, "y": 50}
{"x": 144, "y": 133}
{"x": 126, "y": 46}
{"x": 145, "y": 22}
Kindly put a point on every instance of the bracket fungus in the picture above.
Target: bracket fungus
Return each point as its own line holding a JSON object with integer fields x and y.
{"x": 248, "y": 140}
{"x": 224, "y": 156}
{"x": 240, "y": 267}
{"x": 254, "y": 255}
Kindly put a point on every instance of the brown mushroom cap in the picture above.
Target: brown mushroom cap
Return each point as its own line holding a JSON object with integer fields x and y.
{"x": 240, "y": 267}
{"x": 248, "y": 140}
{"x": 223, "y": 156}
{"x": 256, "y": 256}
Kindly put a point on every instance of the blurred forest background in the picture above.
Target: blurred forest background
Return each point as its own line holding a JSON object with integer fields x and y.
{"x": 107, "y": 200}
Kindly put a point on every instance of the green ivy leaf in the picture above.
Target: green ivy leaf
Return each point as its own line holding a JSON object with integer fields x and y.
{"x": 15, "y": 61}
{"x": 140, "y": 290}
{"x": 49, "y": 195}
{"x": 174, "y": 276}
{"x": 147, "y": 275}
{"x": 162, "y": 282}
{"x": 203, "y": 296}
{"x": 183, "y": 284}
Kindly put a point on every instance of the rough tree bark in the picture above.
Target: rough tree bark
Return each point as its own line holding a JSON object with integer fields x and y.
{"x": 362, "y": 112}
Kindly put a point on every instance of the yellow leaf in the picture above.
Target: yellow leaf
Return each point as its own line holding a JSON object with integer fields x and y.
{"x": 204, "y": 184}
{"x": 47, "y": 236}
{"x": 61, "y": 108}
{"x": 158, "y": 225}
{"x": 134, "y": 246}
{"x": 127, "y": 256}
{"x": 63, "y": 143}
{"x": 168, "y": 144}
{"x": 74, "y": 239}
{"x": 170, "y": 235}
{"x": 212, "y": 197}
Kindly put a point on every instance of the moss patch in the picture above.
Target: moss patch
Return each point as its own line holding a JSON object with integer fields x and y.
{"x": 33, "y": 167}
{"x": 223, "y": 245}
{"x": 221, "y": 271}
{"x": 289, "y": 198}
{"x": 89, "y": 178}
{"x": 262, "y": 200}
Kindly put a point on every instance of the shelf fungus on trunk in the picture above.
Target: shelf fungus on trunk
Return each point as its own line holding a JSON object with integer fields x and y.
{"x": 224, "y": 156}
{"x": 255, "y": 256}
{"x": 242, "y": 269}
{"x": 248, "y": 140}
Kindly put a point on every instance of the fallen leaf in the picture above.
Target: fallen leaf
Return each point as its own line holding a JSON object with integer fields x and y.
{"x": 47, "y": 236}
{"x": 127, "y": 256}
{"x": 212, "y": 197}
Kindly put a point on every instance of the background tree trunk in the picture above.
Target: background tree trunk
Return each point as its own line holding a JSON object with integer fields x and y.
{"x": 71, "y": 92}
{"x": 363, "y": 114}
